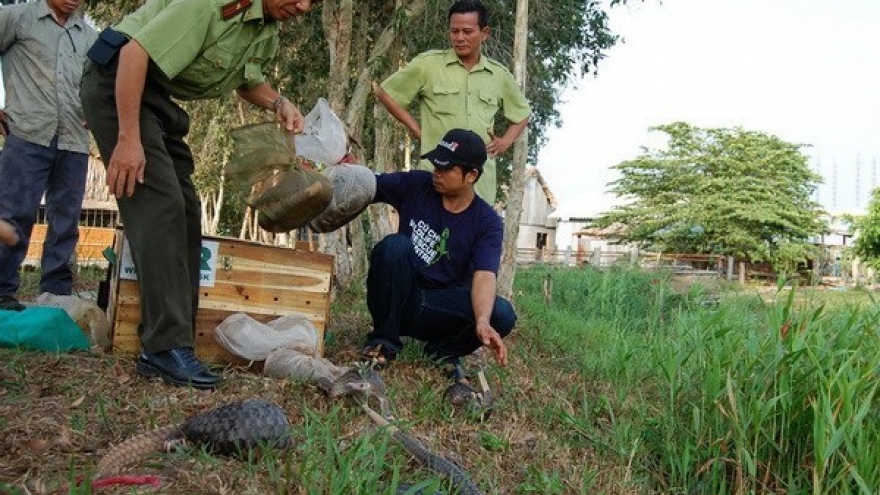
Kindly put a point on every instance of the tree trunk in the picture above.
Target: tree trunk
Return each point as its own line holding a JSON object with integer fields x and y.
{"x": 520, "y": 153}
{"x": 388, "y": 139}
{"x": 337, "y": 24}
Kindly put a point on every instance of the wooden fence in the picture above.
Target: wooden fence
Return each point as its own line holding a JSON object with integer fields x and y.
{"x": 89, "y": 249}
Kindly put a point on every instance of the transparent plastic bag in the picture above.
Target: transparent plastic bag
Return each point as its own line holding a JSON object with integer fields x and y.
{"x": 259, "y": 153}
{"x": 246, "y": 337}
{"x": 323, "y": 139}
{"x": 290, "y": 199}
{"x": 289, "y": 363}
{"x": 287, "y": 345}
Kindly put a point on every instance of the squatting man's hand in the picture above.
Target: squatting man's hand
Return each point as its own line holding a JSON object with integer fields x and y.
{"x": 491, "y": 339}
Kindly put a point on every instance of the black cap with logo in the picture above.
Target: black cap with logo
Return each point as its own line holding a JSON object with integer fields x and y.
{"x": 459, "y": 147}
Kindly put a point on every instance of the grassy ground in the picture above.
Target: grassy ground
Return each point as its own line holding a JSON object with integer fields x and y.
{"x": 60, "y": 413}
{"x": 604, "y": 394}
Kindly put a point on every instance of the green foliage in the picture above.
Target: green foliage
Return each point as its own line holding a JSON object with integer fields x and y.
{"x": 607, "y": 315}
{"x": 724, "y": 191}
{"x": 867, "y": 245}
{"x": 787, "y": 256}
{"x": 744, "y": 397}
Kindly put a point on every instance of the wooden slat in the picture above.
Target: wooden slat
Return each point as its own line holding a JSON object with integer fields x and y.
{"x": 265, "y": 282}
{"x": 89, "y": 248}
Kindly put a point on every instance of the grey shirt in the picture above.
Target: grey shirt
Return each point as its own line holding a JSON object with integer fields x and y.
{"x": 42, "y": 67}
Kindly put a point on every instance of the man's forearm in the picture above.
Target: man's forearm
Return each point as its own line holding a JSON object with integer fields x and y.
{"x": 261, "y": 95}
{"x": 483, "y": 295}
{"x": 515, "y": 130}
{"x": 398, "y": 112}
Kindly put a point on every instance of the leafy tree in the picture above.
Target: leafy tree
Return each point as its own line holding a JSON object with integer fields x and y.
{"x": 723, "y": 191}
{"x": 867, "y": 244}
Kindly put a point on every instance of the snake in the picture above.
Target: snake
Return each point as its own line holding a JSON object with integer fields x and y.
{"x": 364, "y": 382}
{"x": 237, "y": 427}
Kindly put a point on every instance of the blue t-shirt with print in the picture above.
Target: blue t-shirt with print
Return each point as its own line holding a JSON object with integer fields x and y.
{"x": 449, "y": 247}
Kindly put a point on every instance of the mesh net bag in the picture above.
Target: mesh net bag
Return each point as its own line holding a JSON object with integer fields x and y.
{"x": 264, "y": 164}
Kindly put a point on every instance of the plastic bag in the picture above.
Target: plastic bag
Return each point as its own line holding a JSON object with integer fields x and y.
{"x": 288, "y": 345}
{"x": 91, "y": 319}
{"x": 289, "y": 363}
{"x": 244, "y": 336}
{"x": 323, "y": 139}
{"x": 354, "y": 187}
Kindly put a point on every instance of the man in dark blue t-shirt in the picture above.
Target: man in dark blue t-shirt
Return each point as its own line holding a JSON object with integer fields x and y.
{"x": 435, "y": 279}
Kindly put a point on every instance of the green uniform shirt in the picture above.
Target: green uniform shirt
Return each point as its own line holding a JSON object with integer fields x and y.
{"x": 450, "y": 97}
{"x": 197, "y": 54}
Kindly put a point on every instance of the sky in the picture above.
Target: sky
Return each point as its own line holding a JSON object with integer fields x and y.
{"x": 807, "y": 71}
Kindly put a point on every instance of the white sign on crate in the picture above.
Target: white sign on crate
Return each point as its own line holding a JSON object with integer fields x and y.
{"x": 128, "y": 271}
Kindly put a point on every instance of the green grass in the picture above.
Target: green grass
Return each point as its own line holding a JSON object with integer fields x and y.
{"x": 745, "y": 396}
{"x": 628, "y": 382}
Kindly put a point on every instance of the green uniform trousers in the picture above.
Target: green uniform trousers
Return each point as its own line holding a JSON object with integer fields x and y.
{"x": 162, "y": 219}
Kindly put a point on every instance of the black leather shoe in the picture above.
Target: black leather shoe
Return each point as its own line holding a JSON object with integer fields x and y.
{"x": 177, "y": 366}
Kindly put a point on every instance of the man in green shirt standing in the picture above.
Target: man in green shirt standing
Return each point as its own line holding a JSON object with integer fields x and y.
{"x": 459, "y": 88}
{"x": 186, "y": 49}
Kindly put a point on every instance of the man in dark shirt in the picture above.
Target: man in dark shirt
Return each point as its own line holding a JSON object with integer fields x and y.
{"x": 435, "y": 279}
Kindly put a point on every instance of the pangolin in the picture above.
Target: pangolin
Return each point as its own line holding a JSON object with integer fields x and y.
{"x": 228, "y": 429}
{"x": 239, "y": 426}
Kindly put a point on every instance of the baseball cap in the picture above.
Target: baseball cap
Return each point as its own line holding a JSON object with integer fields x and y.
{"x": 459, "y": 147}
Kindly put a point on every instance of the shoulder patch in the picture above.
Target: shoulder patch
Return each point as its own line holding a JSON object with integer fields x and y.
{"x": 431, "y": 53}
{"x": 493, "y": 62}
{"x": 231, "y": 9}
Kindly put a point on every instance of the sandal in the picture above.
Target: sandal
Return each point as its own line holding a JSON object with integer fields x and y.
{"x": 377, "y": 354}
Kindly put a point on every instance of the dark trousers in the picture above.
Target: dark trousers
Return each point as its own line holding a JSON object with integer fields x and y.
{"x": 28, "y": 170}
{"x": 162, "y": 219}
{"x": 443, "y": 318}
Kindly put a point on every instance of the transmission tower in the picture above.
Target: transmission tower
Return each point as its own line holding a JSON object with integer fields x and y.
{"x": 873, "y": 174}
{"x": 858, "y": 180}
{"x": 834, "y": 184}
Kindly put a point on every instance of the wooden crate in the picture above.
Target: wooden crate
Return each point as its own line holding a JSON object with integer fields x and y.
{"x": 265, "y": 282}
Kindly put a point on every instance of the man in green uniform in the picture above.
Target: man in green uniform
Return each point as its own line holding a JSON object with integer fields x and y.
{"x": 186, "y": 49}
{"x": 459, "y": 88}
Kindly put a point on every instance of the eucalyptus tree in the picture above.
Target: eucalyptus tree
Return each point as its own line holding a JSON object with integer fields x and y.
{"x": 725, "y": 191}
